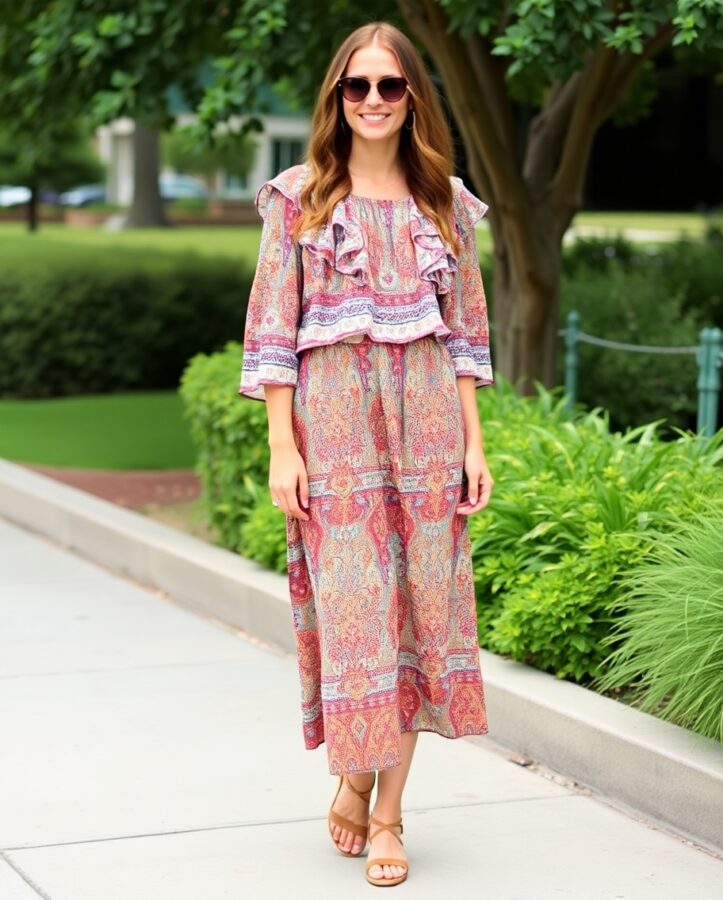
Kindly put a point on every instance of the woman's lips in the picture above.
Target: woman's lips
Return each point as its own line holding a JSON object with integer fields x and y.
{"x": 384, "y": 118}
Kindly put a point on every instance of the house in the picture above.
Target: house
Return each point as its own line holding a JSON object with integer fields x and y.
{"x": 280, "y": 145}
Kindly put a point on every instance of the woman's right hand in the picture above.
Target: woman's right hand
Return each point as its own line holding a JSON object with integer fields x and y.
{"x": 286, "y": 470}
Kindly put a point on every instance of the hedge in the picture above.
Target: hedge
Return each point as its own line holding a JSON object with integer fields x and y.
{"x": 111, "y": 321}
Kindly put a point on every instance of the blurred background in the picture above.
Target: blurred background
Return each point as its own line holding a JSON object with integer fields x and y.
{"x": 132, "y": 143}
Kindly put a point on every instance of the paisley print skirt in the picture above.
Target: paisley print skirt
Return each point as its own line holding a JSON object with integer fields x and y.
{"x": 380, "y": 576}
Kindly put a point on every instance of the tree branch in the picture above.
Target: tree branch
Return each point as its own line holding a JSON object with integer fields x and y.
{"x": 547, "y": 132}
{"x": 567, "y": 183}
{"x": 628, "y": 66}
{"x": 490, "y": 73}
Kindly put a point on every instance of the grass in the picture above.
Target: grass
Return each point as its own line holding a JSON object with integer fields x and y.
{"x": 143, "y": 430}
{"x": 242, "y": 242}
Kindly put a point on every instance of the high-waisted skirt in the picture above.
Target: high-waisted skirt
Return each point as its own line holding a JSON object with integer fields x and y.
{"x": 380, "y": 576}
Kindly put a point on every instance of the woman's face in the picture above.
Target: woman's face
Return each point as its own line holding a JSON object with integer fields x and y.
{"x": 374, "y": 63}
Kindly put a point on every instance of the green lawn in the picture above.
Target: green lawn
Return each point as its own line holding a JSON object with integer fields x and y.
{"x": 143, "y": 430}
{"x": 242, "y": 242}
{"x": 57, "y": 240}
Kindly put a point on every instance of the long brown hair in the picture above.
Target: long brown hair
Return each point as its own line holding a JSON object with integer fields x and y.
{"x": 425, "y": 150}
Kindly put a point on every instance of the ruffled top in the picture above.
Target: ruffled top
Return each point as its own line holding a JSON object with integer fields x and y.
{"x": 377, "y": 267}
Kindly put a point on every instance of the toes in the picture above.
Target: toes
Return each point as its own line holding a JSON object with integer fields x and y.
{"x": 348, "y": 840}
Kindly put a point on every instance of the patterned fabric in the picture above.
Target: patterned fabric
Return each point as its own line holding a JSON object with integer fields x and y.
{"x": 380, "y": 576}
{"x": 378, "y": 268}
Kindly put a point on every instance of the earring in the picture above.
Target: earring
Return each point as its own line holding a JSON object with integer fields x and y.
{"x": 410, "y": 127}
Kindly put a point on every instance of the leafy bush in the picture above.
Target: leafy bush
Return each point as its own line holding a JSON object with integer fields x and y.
{"x": 671, "y": 634}
{"x": 231, "y": 434}
{"x": 659, "y": 296}
{"x": 106, "y": 321}
{"x": 572, "y": 506}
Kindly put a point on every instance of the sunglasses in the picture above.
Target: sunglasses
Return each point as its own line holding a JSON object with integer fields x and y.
{"x": 355, "y": 88}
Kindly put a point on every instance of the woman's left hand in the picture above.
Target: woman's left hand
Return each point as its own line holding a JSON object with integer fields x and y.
{"x": 479, "y": 482}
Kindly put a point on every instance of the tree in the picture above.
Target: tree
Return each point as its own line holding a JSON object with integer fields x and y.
{"x": 573, "y": 63}
{"x": 233, "y": 153}
{"x": 61, "y": 163}
{"x": 111, "y": 60}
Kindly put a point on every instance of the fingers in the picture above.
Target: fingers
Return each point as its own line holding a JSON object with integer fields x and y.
{"x": 288, "y": 503}
{"x": 478, "y": 494}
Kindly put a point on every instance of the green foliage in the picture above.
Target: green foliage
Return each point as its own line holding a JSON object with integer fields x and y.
{"x": 107, "y": 320}
{"x": 231, "y": 436}
{"x": 232, "y": 152}
{"x": 571, "y": 506}
{"x": 670, "y": 636}
{"x": 66, "y": 162}
{"x": 262, "y": 538}
{"x": 660, "y": 297}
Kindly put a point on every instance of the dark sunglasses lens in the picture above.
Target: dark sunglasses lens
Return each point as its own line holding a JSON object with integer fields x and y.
{"x": 392, "y": 89}
{"x": 354, "y": 89}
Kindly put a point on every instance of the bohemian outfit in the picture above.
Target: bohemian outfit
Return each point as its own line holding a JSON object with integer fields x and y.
{"x": 372, "y": 317}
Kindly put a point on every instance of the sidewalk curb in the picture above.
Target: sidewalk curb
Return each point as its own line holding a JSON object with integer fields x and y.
{"x": 667, "y": 773}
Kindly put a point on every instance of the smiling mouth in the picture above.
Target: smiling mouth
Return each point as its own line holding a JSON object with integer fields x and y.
{"x": 374, "y": 117}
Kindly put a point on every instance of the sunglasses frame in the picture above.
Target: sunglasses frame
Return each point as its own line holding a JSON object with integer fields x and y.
{"x": 341, "y": 83}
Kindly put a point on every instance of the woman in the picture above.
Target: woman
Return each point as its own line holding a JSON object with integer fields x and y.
{"x": 366, "y": 335}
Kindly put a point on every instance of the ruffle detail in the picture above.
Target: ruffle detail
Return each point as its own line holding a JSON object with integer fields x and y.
{"x": 340, "y": 242}
{"x": 468, "y": 208}
{"x": 435, "y": 260}
{"x": 289, "y": 183}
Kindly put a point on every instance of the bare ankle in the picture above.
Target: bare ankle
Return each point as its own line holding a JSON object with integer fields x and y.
{"x": 387, "y": 811}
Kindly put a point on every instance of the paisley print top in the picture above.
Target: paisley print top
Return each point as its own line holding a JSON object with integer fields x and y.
{"x": 378, "y": 267}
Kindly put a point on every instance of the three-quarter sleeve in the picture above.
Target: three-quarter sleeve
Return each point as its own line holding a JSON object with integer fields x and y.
{"x": 464, "y": 308}
{"x": 274, "y": 306}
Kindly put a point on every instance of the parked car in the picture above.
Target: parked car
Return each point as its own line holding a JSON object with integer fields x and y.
{"x": 181, "y": 187}
{"x": 83, "y": 195}
{"x": 13, "y": 195}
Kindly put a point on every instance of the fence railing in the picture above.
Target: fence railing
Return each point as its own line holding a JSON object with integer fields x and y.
{"x": 708, "y": 357}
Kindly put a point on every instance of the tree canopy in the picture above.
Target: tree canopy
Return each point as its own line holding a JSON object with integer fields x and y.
{"x": 574, "y": 63}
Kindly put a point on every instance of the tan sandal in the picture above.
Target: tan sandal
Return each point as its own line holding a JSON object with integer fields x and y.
{"x": 386, "y": 861}
{"x": 335, "y": 819}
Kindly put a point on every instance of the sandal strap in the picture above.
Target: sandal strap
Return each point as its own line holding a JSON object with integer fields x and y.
{"x": 365, "y": 795}
{"x": 354, "y": 827}
{"x": 385, "y": 826}
{"x": 386, "y": 861}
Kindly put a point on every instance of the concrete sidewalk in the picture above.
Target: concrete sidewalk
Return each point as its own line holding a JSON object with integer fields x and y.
{"x": 149, "y": 754}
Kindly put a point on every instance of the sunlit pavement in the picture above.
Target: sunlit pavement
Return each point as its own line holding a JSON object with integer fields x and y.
{"x": 149, "y": 754}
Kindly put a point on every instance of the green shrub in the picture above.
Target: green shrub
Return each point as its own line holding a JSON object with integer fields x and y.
{"x": 635, "y": 307}
{"x": 671, "y": 634}
{"x": 654, "y": 295}
{"x": 231, "y": 434}
{"x": 104, "y": 321}
{"x": 571, "y": 509}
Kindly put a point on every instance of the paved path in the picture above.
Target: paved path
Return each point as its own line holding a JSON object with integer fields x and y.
{"x": 149, "y": 754}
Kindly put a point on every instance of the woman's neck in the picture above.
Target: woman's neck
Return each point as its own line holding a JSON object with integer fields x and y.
{"x": 375, "y": 162}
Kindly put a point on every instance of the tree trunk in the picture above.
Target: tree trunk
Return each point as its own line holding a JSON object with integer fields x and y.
{"x": 526, "y": 322}
{"x": 532, "y": 183}
{"x": 147, "y": 207}
{"x": 33, "y": 208}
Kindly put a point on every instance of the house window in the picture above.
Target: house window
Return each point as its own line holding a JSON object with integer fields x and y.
{"x": 234, "y": 183}
{"x": 286, "y": 152}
